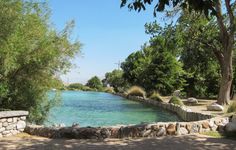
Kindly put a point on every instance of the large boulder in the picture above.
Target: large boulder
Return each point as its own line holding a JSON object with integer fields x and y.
{"x": 192, "y": 100}
{"x": 230, "y": 127}
{"x": 215, "y": 107}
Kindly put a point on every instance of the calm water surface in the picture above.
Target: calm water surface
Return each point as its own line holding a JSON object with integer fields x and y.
{"x": 102, "y": 109}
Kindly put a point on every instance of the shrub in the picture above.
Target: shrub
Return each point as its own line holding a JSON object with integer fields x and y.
{"x": 136, "y": 91}
{"x": 232, "y": 107}
{"x": 156, "y": 96}
{"x": 176, "y": 100}
{"x": 109, "y": 90}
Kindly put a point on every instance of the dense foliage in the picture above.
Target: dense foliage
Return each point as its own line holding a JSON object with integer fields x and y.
{"x": 115, "y": 79}
{"x": 32, "y": 55}
{"x": 95, "y": 83}
{"x": 220, "y": 11}
{"x": 78, "y": 86}
{"x": 155, "y": 67}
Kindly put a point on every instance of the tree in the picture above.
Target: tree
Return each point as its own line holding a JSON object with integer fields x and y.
{"x": 32, "y": 54}
{"x": 198, "y": 59}
{"x": 155, "y": 67}
{"x": 116, "y": 80}
{"x": 226, "y": 32}
{"x": 94, "y": 83}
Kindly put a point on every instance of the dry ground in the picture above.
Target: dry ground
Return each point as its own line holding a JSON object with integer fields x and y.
{"x": 188, "y": 142}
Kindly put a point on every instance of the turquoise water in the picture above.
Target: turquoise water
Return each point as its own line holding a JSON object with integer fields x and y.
{"x": 103, "y": 109}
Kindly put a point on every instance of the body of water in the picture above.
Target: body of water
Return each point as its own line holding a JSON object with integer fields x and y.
{"x": 103, "y": 109}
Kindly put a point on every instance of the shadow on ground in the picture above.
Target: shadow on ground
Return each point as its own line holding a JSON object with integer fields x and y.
{"x": 193, "y": 142}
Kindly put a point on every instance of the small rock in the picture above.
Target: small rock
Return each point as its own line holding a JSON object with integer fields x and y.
{"x": 6, "y": 132}
{"x": 171, "y": 130}
{"x": 215, "y": 107}
{"x": 75, "y": 125}
{"x": 3, "y": 120}
{"x": 10, "y": 127}
{"x": 20, "y": 125}
{"x": 176, "y": 93}
{"x": 146, "y": 133}
{"x": 233, "y": 118}
{"x": 2, "y": 129}
{"x": 192, "y": 100}
{"x": 23, "y": 118}
{"x": 183, "y": 131}
{"x": 205, "y": 125}
{"x": 14, "y": 120}
{"x": 161, "y": 131}
{"x": 5, "y": 124}
{"x": 230, "y": 127}
{"x": 0, "y": 124}
{"x": 9, "y": 120}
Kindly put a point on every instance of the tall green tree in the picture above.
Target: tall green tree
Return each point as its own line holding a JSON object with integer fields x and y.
{"x": 95, "y": 83}
{"x": 33, "y": 53}
{"x": 197, "y": 55}
{"x": 155, "y": 67}
{"x": 226, "y": 31}
{"x": 116, "y": 80}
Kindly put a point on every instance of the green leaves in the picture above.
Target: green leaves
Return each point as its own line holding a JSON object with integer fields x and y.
{"x": 32, "y": 54}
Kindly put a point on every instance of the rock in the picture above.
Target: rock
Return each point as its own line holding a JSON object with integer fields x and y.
{"x": 10, "y": 127}
{"x": 75, "y": 125}
{"x": 23, "y": 118}
{"x": 2, "y": 129}
{"x": 205, "y": 125}
{"x": 230, "y": 127}
{"x": 171, "y": 130}
{"x": 161, "y": 131}
{"x": 176, "y": 93}
{"x": 192, "y": 100}
{"x": 0, "y": 124}
{"x": 3, "y": 120}
{"x": 183, "y": 131}
{"x": 146, "y": 133}
{"x": 215, "y": 107}
{"x": 105, "y": 133}
{"x": 114, "y": 132}
{"x": 194, "y": 128}
{"x": 20, "y": 125}
{"x": 233, "y": 118}
{"x": 6, "y": 132}
{"x": 9, "y": 120}
{"x": 14, "y": 120}
{"x": 5, "y": 124}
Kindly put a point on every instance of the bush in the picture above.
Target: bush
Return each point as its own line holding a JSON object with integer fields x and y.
{"x": 136, "y": 91}
{"x": 176, "y": 100}
{"x": 109, "y": 90}
{"x": 156, "y": 96}
{"x": 232, "y": 107}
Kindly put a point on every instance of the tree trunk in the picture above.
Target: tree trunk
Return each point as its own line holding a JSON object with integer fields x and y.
{"x": 226, "y": 80}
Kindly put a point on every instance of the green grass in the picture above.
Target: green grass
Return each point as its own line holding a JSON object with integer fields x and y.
{"x": 176, "y": 100}
{"x": 232, "y": 107}
{"x": 214, "y": 134}
{"x": 136, "y": 91}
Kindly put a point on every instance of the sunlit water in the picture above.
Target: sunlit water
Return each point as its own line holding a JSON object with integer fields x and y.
{"x": 103, "y": 109}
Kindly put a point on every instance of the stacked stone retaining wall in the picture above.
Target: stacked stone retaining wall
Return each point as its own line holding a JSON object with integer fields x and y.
{"x": 12, "y": 122}
{"x": 197, "y": 123}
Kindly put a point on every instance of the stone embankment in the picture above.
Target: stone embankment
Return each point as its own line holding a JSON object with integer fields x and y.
{"x": 12, "y": 122}
{"x": 196, "y": 123}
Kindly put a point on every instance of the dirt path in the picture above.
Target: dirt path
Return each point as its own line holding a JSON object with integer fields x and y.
{"x": 193, "y": 142}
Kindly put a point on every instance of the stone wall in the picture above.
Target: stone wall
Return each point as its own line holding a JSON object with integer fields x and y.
{"x": 184, "y": 113}
{"x": 12, "y": 122}
{"x": 197, "y": 123}
{"x": 127, "y": 131}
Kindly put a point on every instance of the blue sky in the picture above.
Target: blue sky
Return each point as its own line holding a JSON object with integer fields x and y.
{"x": 108, "y": 34}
